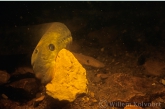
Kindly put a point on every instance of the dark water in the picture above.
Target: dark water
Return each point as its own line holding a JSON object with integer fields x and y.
{"x": 147, "y": 18}
{"x": 29, "y": 12}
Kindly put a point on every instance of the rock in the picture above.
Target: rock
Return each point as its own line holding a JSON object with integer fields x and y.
{"x": 127, "y": 88}
{"x": 155, "y": 67}
{"x": 4, "y": 77}
{"x": 69, "y": 80}
{"x": 163, "y": 81}
{"x": 38, "y": 100}
{"x": 92, "y": 94}
{"x": 85, "y": 99}
{"x": 23, "y": 70}
{"x": 132, "y": 107}
{"x": 87, "y": 60}
{"x": 4, "y": 96}
{"x": 104, "y": 76}
{"x": 22, "y": 90}
{"x": 102, "y": 49}
{"x": 28, "y": 84}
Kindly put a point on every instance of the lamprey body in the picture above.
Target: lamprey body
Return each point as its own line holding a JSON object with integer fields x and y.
{"x": 43, "y": 59}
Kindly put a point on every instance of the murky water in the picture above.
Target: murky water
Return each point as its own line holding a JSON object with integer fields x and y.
{"x": 128, "y": 37}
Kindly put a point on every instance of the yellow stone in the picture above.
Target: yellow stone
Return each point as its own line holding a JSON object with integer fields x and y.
{"x": 92, "y": 94}
{"x": 132, "y": 107}
{"x": 69, "y": 79}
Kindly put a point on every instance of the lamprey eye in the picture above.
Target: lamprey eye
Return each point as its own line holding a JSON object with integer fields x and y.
{"x": 51, "y": 47}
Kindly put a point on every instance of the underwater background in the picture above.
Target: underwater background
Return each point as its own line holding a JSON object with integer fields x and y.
{"x": 128, "y": 37}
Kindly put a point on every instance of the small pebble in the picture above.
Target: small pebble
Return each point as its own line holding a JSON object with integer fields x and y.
{"x": 92, "y": 94}
{"x": 4, "y": 96}
{"x": 98, "y": 75}
{"x": 104, "y": 76}
{"x": 102, "y": 49}
{"x": 4, "y": 77}
{"x": 40, "y": 98}
{"x": 132, "y": 107}
{"x": 85, "y": 99}
{"x": 94, "y": 100}
{"x": 153, "y": 84}
{"x": 163, "y": 81}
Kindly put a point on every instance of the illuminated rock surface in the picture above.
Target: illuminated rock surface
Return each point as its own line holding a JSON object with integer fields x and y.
{"x": 69, "y": 79}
